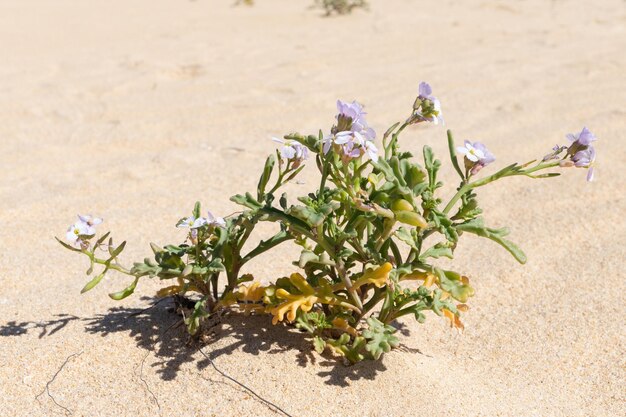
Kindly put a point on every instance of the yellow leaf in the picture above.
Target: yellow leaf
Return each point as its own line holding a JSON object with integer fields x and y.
{"x": 377, "y": 276}
{"x": 171, "y": 290}
{"x": 253, "y": 292}
{"x": 342, "y": 324}
{"x": 454, "y": 319}
{"x": 291, "y": 306}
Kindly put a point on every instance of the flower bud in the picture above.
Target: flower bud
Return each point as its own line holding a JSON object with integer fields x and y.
{"x": 566, "y": 163}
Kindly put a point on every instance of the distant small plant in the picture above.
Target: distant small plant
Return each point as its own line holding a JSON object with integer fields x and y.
{"x": 374, "y": 224}
{"x": 340, "y": 6}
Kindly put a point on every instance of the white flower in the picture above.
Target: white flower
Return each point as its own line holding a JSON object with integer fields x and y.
{"x": 76, "y": 231}
{"x": 292, "y": 150}
{"x": 215, "y": 221}
{"x": 196, "y": 223}
{"x": 371, "y": 151}
{"x": 90, "y": 220}
{"x": 472, "y": 153}
{"x": 192, "y": 222}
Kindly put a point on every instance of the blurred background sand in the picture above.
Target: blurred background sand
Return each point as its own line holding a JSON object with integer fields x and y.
{"x": 133, "y": 110}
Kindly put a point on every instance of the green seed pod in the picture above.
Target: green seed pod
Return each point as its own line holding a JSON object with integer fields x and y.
{"x": 401, "y": 205}
{"x": 411, "y": 218}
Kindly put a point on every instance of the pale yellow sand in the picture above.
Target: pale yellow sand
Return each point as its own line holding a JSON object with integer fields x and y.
{"x": 132, "y": 110}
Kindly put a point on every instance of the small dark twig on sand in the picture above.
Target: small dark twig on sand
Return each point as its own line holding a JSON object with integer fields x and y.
{"x": 47, "y": 388}
{"x": 270, "y": 404}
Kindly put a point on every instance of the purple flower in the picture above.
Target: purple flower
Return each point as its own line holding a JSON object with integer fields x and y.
{"x": 292, "y": 150}
{"x": 352, "y": 134}
{"x": 352, "y": 111}
{"x": 350, "y": 151}
{"x": 584, "y": 138}
{"x": 477, "y": 156}
{"x": 427, "y": 107}
{"x": 425, "y": 91}
{"x": 585, "y": 159}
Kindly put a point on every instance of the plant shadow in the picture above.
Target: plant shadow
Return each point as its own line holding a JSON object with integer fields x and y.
{"x": 160, "y": 331}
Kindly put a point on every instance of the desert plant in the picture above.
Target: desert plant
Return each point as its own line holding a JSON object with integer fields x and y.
{"x": 340, "y": 6}
{"x": 369, "y": 234}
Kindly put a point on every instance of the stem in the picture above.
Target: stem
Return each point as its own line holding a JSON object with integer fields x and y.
{"x": 500, "y": 174}
{"x": 385, "y": 235}
{"x": 114, "y": 267}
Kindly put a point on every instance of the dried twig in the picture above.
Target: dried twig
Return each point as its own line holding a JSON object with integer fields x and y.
{"x": 47, "y": 388}
{"x": 270, "y": 404}
{"x": 154, "y": 397}
{"x": 137, "y": 313}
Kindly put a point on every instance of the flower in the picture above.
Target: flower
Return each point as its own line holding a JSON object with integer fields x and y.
{"x": 584, "y": 138}
{"x": 84, "y": 229}
{"x": 582, "y": 154}
{"x": 192, "y": 222}
{"x": 585, "y": 159}
{"x": 371, "y": 151}
{"x": 90, "y": 220}
{"x": 76, "y": 233}
{"x": 477, "y": 156}
{"x": 215, "y": 221}
{"x": 351, "y": 116}
{"x": 352, "y": 134}
{"x": 196, "y": 223}
{"x": 427, "y": 107}
{"x": 292, "y": 150}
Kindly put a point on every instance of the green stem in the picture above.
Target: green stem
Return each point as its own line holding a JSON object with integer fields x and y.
{"x": 505, "y": 172}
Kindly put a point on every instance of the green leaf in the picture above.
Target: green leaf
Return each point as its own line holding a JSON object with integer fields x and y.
{"x": 265, "y": 176}
{"x": 265, "y": 245}
{"x": 92, "y": 283}
{"x": 478, "y": 228}
{"x": 125, "y": 292}
{"x": 246, "y": 200}
{"x": 453, "y": 158}
{"x": 196, "y": 210}
{"x": 381, "y": 337}
{"x": 66, "y": 246}
{"x": 432, "y": 167}
{"x": 215, "y": 265}
{"x": 115, "y": 252}
{"x": 319, "y": 344}
{"x": 198, "y": 314}
{"x": 407, "y": 236}
{"x": 306, "y": 214}
{"x": 102, "y": 239}
{"x": 441, "y": 249}
{"x": 451, "y": 282}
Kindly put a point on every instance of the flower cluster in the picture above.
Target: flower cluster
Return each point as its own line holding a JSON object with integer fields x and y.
{"x": 351, "y": 136}
{"x": 580, "y": 153}
{"x": 427, "y": 107}
{"x": 370, "y": 235}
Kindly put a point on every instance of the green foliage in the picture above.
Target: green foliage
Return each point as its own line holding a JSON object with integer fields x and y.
{"x": 380, "y": 337}
{"x": 369, "y": 228}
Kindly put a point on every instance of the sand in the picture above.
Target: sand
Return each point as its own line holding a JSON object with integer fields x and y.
{"x": 133, "y": 110}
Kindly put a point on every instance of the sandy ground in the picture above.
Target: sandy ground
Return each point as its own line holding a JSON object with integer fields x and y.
{"x": 133, "y": 110}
